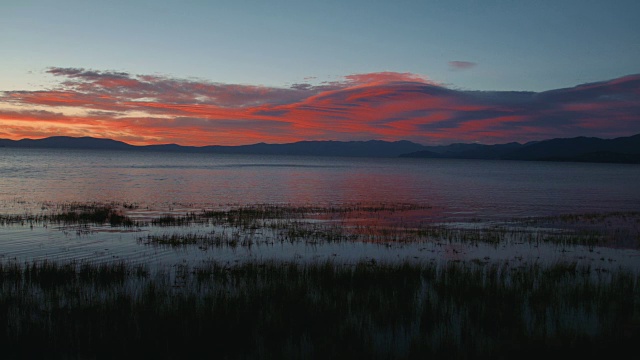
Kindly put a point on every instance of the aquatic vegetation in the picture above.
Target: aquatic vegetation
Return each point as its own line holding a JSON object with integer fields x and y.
{"x": 279, "y": 309}
{"x": 73, "y": 214}
{"x": 375, "y": 223}
{"x": 316, "y": 310}
{"x": 313, "y": 230}
{"x": 94, "y": 214}
{"x": 203, "y": 241}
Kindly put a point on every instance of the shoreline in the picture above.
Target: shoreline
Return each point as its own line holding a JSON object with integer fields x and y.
{"x": 283, "y": 281}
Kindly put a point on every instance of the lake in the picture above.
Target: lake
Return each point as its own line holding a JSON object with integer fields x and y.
{"x": 467, "y": 193}
{"x": 280, "y": 254}
{"x": 472, "y": 188}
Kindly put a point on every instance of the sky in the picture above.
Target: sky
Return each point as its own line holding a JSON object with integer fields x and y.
{"x": 242, "y": 72}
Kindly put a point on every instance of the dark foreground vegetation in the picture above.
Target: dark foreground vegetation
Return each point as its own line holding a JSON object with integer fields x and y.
{"x": 281, "y": 310}
{"x": 287, "y": 310}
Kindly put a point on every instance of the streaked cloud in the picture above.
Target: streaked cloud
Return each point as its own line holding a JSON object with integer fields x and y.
{"x": 147, "y": 109}
{"x": 461, "y": 65}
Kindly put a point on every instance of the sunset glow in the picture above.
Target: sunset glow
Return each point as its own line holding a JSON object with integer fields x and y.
{"x": 314, "y": 179}
{"x": 142, "y": 110}
{"x": 233, "y": 73}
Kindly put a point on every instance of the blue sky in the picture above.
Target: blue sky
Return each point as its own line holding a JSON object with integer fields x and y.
{"x": 462, "y": 45}
{"x": 517, "y": 45}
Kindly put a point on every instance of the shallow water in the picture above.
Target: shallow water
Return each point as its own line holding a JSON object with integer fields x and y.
{"x": 33, "y": 180}
{"x": 104, "y": 244}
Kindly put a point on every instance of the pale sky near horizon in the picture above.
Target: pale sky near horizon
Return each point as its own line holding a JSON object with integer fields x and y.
{"x": 461, "y": 45}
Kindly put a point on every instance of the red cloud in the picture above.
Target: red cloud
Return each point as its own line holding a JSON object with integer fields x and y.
{"x": 461, "y": 65}
{"x": 143, "y": 109}
{"x": 385, "y": 77}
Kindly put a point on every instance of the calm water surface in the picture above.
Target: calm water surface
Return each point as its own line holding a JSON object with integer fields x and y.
{"x": 469, "y": 187}
{"x": 454, "y": 189}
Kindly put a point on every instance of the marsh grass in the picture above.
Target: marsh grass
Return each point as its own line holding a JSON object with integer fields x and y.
{"x": 615, "y": 229}
{"x": 75, "y": 214}
{"x": 375, "y": 223}
{"x": 222, "y": 238}
{"x": 270, "y": 309}
{"x": 316, "y": 310}
{"x": 312, "y": 231}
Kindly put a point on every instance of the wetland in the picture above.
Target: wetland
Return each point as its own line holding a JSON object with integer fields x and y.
{"x": 106, "y": 254}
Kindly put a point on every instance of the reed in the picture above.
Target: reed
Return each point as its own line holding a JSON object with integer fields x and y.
{"x": 74, "y": 214}
{"x": 204, "y": 241}
{"x": 316, "y": 310}
{"x": 381, "y": 223}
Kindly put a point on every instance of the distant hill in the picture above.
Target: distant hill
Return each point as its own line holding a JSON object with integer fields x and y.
{"x": 580, "y": 149}
{"x": 576, "y": 148}
{"x": 466, "y": 151}
{"x": 65, "y": 142}
{"x": 371, "y": 148}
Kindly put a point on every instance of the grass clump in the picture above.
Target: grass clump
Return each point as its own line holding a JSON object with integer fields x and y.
{"x": 377, "y": 223}
{"x": 269, "y": 309}
{"x": 75, "y": 214}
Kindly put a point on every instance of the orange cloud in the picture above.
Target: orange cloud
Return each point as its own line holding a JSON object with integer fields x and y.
{"x": 143, "y": 109}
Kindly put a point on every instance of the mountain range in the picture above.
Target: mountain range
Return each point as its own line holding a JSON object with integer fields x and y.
{"x": 578, "y": 149}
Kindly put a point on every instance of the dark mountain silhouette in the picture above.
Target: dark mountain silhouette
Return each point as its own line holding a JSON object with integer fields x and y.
{"x": 580, "y": 149}
{"x": 372, "y": 148}
{"x": 576, "y": 148}
{"x": 65, "y": 142}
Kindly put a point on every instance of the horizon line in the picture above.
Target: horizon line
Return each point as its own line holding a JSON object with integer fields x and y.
{"x": 301, "y": 141}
